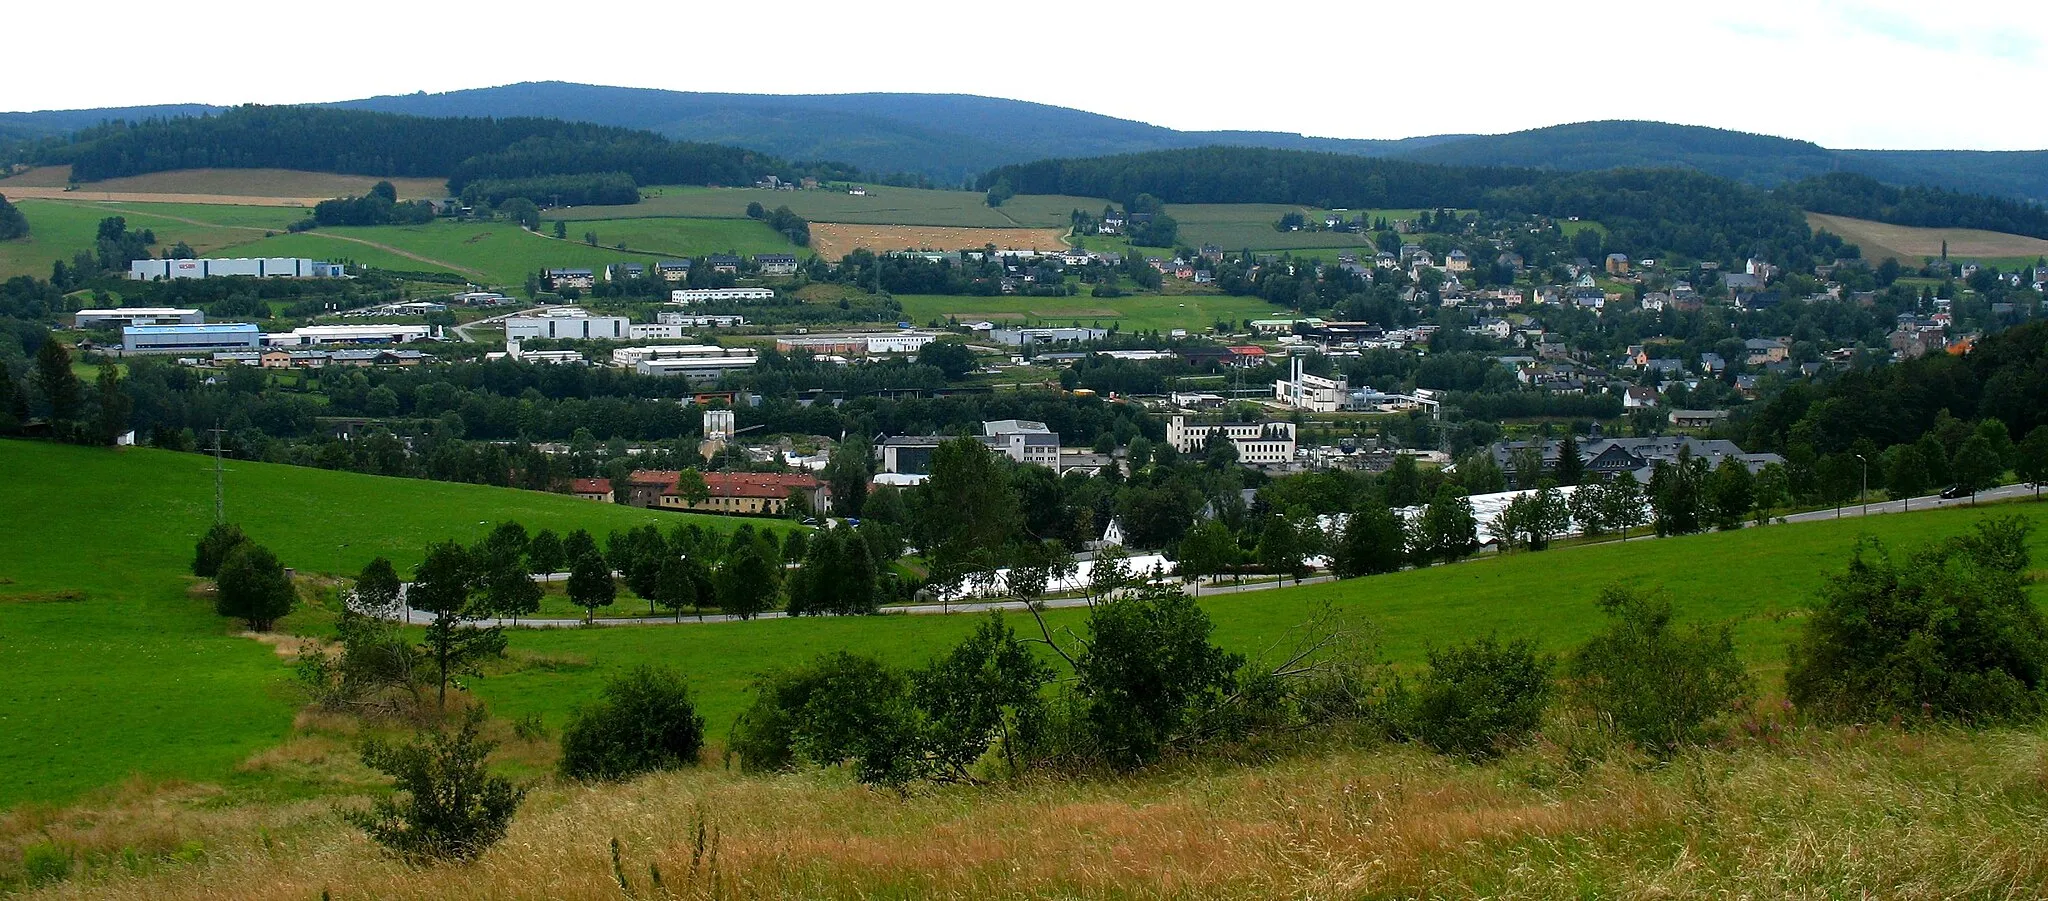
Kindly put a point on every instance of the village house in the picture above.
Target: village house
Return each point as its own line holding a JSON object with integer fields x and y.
{"x": 592, "y": 489}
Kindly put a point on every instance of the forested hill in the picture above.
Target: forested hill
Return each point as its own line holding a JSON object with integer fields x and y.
{"x": 1863, "y": 197}
{"x": 367, "y": 143}
{"x": 1646, "y": 211}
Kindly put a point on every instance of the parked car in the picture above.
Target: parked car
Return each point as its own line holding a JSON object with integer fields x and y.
{"x": 1956, "y": 491}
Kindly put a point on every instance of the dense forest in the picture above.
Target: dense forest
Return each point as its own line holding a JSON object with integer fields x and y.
{"x": 12, "y": 223}
{"x": 1647, "y": 211}
{"x": 366, "y": 143}
{"x": 1863, "y": 197}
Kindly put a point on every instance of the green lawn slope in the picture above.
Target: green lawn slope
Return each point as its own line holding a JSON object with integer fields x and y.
{"x": 135, "y": 675}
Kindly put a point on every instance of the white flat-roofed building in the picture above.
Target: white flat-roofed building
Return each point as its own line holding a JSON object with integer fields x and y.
{"x": 203, "y": 338}
{"x": 137, "y": 316}
{"x": 576, "y": 325}
{"x": 656, "y": 332}
{"x": 701, "y": 369}
{"x": 900, "y": 343}
{"x": 1258, "y": 443}
{"x": 716, "y": 320}
{"x": 306, "y": 336}
{"x": 687, "y": 296}
{"x": 633, "y": 356}
{"x": 1024, "y": 441}
{"x": 147, "y": 270}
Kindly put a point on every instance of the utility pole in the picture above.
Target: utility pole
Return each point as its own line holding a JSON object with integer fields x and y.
{"x": 219, "y": 501}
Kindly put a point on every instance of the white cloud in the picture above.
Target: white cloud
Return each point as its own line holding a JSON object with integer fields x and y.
{"x": 1872, "y": 73}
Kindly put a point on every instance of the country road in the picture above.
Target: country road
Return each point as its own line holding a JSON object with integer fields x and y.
{"x": 1930, "y": 502}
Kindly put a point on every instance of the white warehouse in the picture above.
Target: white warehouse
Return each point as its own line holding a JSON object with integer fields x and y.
{"x": 255, "y": 267}
{"x": 309, "y": 335}
{"x": 705, "y": 295}
{"x": 137, "y": 316}
{"x": 581, "y": 328}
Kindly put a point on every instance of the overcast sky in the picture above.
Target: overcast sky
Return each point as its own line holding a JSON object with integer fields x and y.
{"x": 1842, "y": 73}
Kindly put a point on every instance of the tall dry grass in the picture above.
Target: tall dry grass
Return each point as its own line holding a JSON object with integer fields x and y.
{"x": 1804, "y": 814}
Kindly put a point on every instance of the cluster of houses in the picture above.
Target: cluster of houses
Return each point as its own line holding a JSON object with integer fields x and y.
{"x": 1603, "y": 457}
{"x": 906, "y": 459}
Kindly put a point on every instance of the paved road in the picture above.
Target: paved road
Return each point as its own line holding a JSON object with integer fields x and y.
{"x": 462, "y": 331}
{"x": 1930, "y": 502}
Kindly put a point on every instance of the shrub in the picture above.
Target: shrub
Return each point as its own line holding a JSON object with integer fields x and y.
{"x": 1950, "y": 632}
{"x": 44, "y": 863}
{"x": 986, "y": 688}
{"x": 1149, "y": 673}
{"x": 252, "y": 586}
{"x": 449, "y": 806}
{"x": 839, "y": 708}
{"x": 1480, "y": 698}
{"x": 1661, "y": 687}
{"x": 646, "y": 721}
{"x": 213, "y": 548}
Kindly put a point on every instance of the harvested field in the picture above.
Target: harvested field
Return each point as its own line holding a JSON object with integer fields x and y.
{"x": 260, "y": 187}
{"x": 835, "y": 240}
{"x": 1910, "y": 245}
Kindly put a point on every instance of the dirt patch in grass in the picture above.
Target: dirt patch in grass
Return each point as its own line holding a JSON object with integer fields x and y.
{"x": 835, "y": 240}
{"x": 60, "y": 596}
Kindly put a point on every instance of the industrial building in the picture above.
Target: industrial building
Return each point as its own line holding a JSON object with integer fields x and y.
{"x": 201, "y": 338}
{"x": 655, "y": 332}
{"x": 146, "y": 270}
{"x": 575, "y": 324}
{"x": 1024, "y": 441}
{"x": 1312, "y": 393}
{"x": 699, "y": 363}
{"x": 689, "y": 296}
{"x": 671, "y": 317}
{"x": 1021, "y": 337}
{"x": 136, "y": 316}
{"x": 381, "y": 333}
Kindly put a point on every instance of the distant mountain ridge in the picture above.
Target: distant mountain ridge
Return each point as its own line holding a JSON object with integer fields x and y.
{"x": 953, "y": 137}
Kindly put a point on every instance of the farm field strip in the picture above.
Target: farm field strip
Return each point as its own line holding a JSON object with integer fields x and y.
{"x": 1911, "y": 245}
{"x": 834, "y": 241}
{"x": 252, "y": 186}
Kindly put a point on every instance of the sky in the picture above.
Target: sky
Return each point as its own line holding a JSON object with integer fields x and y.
{"x": 1892, "y": 74}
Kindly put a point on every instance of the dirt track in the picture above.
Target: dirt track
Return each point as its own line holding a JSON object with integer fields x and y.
{"x": 834, "y": 240}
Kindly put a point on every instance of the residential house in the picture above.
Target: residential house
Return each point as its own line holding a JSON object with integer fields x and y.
{"x": 724, "y": 263}
{"x": 592, "y": 489}
{"x": 1639, "y": 397}
{"x": 776, "y": 263}
{"x": 1457, "y": 261}
{"x": 1712, "y": 364}
{"x": 624, "y": 271}
{"x": 1617, "y": 264}
{"x": 1766, "y": 350}
{"x": 557, "y": 279}
{"x": 1698, "y": 419}
{"x": 673, "y": 270}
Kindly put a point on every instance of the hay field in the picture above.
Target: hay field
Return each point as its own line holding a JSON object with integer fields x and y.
{"x": 1910, "y": 245}
{"x": 835, "y": 240}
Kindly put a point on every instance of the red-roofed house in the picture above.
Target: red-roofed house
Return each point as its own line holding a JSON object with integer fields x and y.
{"x": 644, "y": 487}
{"x": 1247, "y": 355}
{"x": 592, "y": 489}
{"x": 744, "y": 493}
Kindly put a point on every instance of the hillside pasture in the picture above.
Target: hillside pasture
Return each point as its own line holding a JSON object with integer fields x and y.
{"x": 60, "y": 229}
{"x": 674, "y": 236}
{"x": 1911, "y": 246}
{"x": 1249, "y": 226}
{"x": 498, "y": 253}
{"x": 833, "y": 241}
{"x": 260, "y": 187}
{"x": 117, "y": 667}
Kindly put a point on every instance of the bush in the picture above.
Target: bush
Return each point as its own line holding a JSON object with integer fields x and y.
{"x": 1149, "y": 673}
{"x": 1659, "y": 686}
{"x": 1950, "y": 633}
{"x": 1481, "y": 698}
{"x": 44, "y": 863}
{"x": 839, "y": 708}
{"x": 252, "y": 586}
{"x": 214, "y": 547}
{"x": 451, "y": 807}
{"x": 646, "y": 721}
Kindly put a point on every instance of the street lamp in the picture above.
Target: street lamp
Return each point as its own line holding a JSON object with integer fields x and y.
{"x": 1863, "y": 492}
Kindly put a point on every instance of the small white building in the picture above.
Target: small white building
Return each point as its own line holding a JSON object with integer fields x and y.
{"x": 576, "y": 325}
{"x": 899, "y": 343}
{"x": 688, "y": 296}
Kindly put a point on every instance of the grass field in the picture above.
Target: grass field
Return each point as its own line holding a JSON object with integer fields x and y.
{"x": 113, "y": 669}
{"x": 500, "y": 253}
{"x": 116, "y": 669}
{"x": 1910, "y": 246}
{"x": 1194, "y": 312}
{"x": 58, "y": 230}
{"x": 684, "y": 237}
{"x": 232, "y": 182}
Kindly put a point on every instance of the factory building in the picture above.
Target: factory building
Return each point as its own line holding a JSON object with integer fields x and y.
{"x": 197, "y": 339}
{"x": 136, "y": 316}
{"x": 255, "y": 267}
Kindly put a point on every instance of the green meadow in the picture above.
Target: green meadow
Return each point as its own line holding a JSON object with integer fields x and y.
{"x": 116, "y": 667}
{"x": 59, "y": 229}
{"x": 882, "y": 205}
{"x": 678, "y": 236}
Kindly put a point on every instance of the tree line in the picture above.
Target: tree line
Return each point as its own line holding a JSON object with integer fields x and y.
{"x": 1862, "y": 197}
